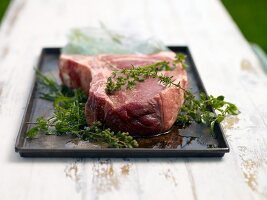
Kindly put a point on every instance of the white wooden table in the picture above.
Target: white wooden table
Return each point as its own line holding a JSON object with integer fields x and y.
{"x": 226, "y": 64}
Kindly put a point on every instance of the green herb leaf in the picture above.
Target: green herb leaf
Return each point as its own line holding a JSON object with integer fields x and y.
{"x": 33, "y": 132}
{"x": 181, "y": 58}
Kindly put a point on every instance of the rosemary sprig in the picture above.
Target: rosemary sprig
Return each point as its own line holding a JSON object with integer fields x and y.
{"x": 69, "y": 118}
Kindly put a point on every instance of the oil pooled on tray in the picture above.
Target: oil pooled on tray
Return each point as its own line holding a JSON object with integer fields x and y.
{"x": 195, "y": 136}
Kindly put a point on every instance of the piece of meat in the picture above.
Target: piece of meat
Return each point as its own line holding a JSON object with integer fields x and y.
{"x": 149, "y": 108}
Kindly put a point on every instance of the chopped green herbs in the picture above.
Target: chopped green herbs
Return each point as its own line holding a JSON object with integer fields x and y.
{"x": 69, "y": 118}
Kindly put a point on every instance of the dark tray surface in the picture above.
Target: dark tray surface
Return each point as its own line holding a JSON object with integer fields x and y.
{"x": 194, "y": 141}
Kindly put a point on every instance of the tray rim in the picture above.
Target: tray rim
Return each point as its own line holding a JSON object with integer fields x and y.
{"x": 32, "y": 152}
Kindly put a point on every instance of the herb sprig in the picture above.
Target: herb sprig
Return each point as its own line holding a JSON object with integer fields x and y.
{"x": 127, "y": 78}
{"x": 201, "y": 110}
{"x": 180, "y": 58}
{"x": 193, "y": 110}
{"x": 51, "y": 88}
{"x": 69, "y": 118}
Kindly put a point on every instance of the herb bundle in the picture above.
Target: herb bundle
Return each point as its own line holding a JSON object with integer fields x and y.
{"x": 69, "y": 117}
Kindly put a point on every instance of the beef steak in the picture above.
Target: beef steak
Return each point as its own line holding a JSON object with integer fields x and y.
{"x": 149, "y": 108}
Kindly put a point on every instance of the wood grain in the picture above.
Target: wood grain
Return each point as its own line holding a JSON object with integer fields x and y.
{"x": 227, "y": 66}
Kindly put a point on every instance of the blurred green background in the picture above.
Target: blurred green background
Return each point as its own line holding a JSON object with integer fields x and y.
{"x": 3, "y": 7}
{"x": 250, "y": 16}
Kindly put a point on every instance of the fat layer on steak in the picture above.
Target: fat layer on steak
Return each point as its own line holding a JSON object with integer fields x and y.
{"x": 147, "y": 109}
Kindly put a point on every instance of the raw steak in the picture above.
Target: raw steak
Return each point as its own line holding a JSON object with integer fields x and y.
{"x": 148, "y": 109}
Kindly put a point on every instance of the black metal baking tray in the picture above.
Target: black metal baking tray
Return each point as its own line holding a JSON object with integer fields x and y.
{"x": 194, "y": 141}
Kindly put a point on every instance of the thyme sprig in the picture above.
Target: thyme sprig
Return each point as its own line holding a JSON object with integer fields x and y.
{"x": 69, "y": 118}
{"x": 180, "y": 58}
{"x": 127, "y": 78}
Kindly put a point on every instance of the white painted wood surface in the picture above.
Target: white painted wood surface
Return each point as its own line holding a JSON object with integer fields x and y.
{"x": 226, "y": 64}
